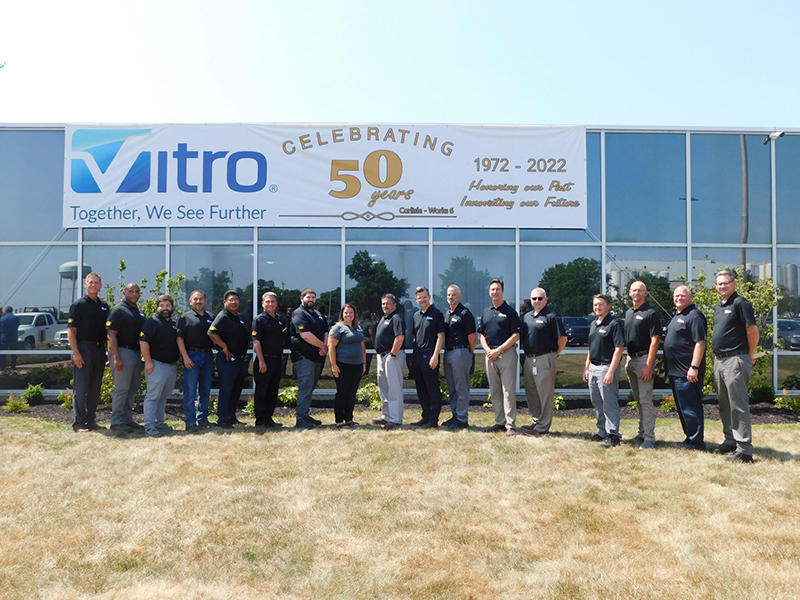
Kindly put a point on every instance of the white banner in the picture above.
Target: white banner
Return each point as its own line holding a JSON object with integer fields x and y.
{"x": 325, "y": 176}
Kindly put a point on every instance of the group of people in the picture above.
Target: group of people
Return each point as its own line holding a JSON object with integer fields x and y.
{"x": 156, "y": 344}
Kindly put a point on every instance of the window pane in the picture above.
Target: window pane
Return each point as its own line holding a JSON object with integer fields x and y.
{"x": 215, "y": 270}
{"x": 645, "y": 187}
{"x": 31, "y": 185}
{"x": 300, "y": 233}
{"x": 31, "y": 278}
{"x": 140, "y": 262}
{"x": 719, "y": 212}
{"x": 788, "y": 372}
{"x": 472, "y": 268}
{"x": 385, "y": 234}
{"x": 137, "y": 234}
{"x": 211, "y": 234}
{"x": 286, "y": 270}
{"x": 787, "y": 182}
{"x": 711, "y": 260}
{"x": 473, "y": 235}
{"x": 570, "y": 276}
{"x": 787, "y": 278}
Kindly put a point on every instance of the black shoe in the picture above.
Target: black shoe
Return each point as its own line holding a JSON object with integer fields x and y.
{"x": 597, "y": 438}
{"x": 391, "y": 425}
{"x": 122, "y": 428}
{"x": 419, "y": 423}
{"x": 95, "y": 427}
{"x": 724, "y": 449}
{"x": 739, "y": 456}
{"x": 304, "y": 425}
{"x": 496, "y": 428}
{"x": 450, "y": 420}
{"x": 225, "y": 426}
{"x": 610, "y": 441}
{"x": 380, "y": 421}
{"x": 135, "y": 426}
{"x": 455, "y": 425}
{"x": 690, "y": 446}
{"x": 314, "y": 421}
{"x": 429, "y": 426}
{"x": 534, "y": 433}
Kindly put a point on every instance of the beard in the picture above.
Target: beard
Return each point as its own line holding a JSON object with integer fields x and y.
{"x": 310, "y": 304}
{"x": 165, "y": 314}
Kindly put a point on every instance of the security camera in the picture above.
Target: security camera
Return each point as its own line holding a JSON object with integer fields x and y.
{"x": 773, "y": 136}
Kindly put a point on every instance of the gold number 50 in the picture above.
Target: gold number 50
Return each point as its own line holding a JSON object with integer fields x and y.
{"x": 372, "y": 173}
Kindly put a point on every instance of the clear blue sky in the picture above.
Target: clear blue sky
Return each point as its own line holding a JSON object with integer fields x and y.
{"x": 684, "y": 63}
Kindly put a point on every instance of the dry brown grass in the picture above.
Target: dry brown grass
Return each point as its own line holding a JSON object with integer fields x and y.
{"x": 401, "y": 514}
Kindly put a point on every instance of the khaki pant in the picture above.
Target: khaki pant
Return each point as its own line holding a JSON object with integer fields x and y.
{"x": 502, "y": 386}
{"x": 643, "y": 394}
{"x": 540, "y": 384}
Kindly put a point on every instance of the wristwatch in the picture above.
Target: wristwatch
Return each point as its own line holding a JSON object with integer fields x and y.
{"x": 695, "y": 367}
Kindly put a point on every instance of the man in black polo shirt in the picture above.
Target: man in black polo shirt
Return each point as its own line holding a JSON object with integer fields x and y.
{"x": 122, "y": 327}
{"x": 231, "y": 335}
{"x": 685, "y": 353}
{"x": 389, "y": 338}
{"x": 543, "y": 339}
{"x": 270, "y": 337}
{"x": 428, "y": 341}
{"x": 86, "y": 331}
{"x": 734, "y": 346}
{"x": 499, "y": 330}
{"x": 601, "y": 372}
{"x": 642, "y": 336}
{"x": 309, "y": 334}
{"x": 198, "y": 361}
{"x": 159, "y": 344}
{"x": 459, "y": 345}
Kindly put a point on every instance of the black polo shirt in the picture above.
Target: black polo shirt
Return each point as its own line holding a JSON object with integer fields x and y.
{"x": 389, "y": 327}
{"x": 641, "y": 324}
{"x": 427, "y": 327}
{"x": 162, "y": 336}
{"x": 127, "y": 321}
{"x": 304, "y": 320}
{"x": 232, "y": 330}
{"x": 540, "y": 332}
{"x": 604, "y": 338}
{"x": 686, "y": 329}
{"x": 271, "y": 332}
{"x": 458, "y": 325}
{"x": 193, "y": 328}
{"x": 731, "y": 320}
{"x": 88, "y": 317}
{"x": 498, "y": 324}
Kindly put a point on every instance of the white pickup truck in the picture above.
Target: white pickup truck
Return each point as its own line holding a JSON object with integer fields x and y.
{"x": 37, "y": 330}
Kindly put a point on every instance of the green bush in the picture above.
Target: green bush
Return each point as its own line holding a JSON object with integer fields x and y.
{"x": 479, "y": 379}
{"x": 762, "y": 392}
{"x": 632, "y": 403}
{"x": 788, "y": 402}
{"x": 288, "y": 396}
{"x": 34, "y": 394}
{"x": 792, "y": 382}
{"x": 668, "y": 403}
{"x": 65, "y": 398}
{"x": 370, "y": 394}
{"x": 15, "y": 404}
{"x": 445, "y": 392}
{"x": 250, "y": 409}
{"x": 558, "y": 402}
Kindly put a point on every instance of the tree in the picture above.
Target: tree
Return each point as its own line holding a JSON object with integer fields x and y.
{"x": 374, "y": 279}
{"x": 213, "y": 284}
{"x": 571, "y": 286}
{"x": 659, "y": 295}
{"x": 462, "y": 272}
{"x": 789, "y": 304}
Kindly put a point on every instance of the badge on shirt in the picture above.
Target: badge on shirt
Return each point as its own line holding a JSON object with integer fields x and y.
{"x": 429, "y": 318}
{"x": 728, "y": 311}
{"x": 601, "y": 330}
{"x": 681, "y": 321}
{"x": 640, "y": 318}
{"x": 541, "y": 321}
{"x": 103, "y": 308}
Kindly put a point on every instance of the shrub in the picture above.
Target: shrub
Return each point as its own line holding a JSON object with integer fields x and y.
{"x": 762, "y": 392}
{"x": 34, "y": 394}
{"x": 788, "y": 402}
{"x": 668, "y": 403}
{"x": 632, "y": 402}
{"x": 288, "y": 396}
{"x": 250, "y": 409}
{"x": 38, "y": 375}
{"x": 65, "y": 398}
{"x": 370, "y": 394}
{"x": 445, "y": 392}
{"x": 212, "y": 405}
{"x": 15, "y": 404}
{"x": 479, "y": 379}
{"x": 792, "y": 382}
{"x": 558, "y": 402}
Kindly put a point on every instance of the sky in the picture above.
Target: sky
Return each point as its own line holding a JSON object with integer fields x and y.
{"x": 668, "y": 64}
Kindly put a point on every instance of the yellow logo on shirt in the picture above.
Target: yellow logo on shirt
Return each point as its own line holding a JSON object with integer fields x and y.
{"x": 255, "y": 332}
{"x": 108, "y": 323}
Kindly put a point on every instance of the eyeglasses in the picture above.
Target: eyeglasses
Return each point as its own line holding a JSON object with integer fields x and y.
{"x": 536, "y": 299}
{"x": 725, "y": 282}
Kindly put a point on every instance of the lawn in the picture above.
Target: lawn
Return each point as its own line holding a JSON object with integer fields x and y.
{"x": 402, "y": 514}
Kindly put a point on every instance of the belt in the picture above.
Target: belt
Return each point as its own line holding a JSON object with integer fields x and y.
{"x": 134, "y": 348}
{"x": 638, "y": 354}
{"x": 388, "y": 352}
{"x": 92, "y": 343}
{"x": 457, "y": 347}
{"x": 601, "y": 363}
{"x": 273, "y": 356}
{"x": 204, "y": 350}
{"x": 536, "y": 354}
{"x": 729, "y": 354}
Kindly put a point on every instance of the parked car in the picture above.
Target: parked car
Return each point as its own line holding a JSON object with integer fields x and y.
{"x": 60, "y": 339}
{"x": 789, "y": 330}
{"x": 36, "y": 329}
{"x": 577, "y": 330}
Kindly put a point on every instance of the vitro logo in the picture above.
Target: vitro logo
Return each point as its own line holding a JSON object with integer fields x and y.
{"x": 122, "y": 161}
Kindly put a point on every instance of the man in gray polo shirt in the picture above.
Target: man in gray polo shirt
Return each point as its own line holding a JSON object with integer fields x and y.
{"x": 734, "y": 346}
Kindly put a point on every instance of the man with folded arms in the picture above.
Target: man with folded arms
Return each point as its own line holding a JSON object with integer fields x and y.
{"x": 642, "y": 336}
{"x": 389, "y": 337}
{"x": 734, "y": 346}
{"x": 543, "y": 340}
{"x": 124, "y": 357}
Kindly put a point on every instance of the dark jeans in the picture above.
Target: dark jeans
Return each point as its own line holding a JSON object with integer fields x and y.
{"x": 427, "y": 383}
{"x": 87, "y": 382}
{"x": 231, "y": 381}
{"x": 346, "y": 388}
{"x": 689, "y": 398}
{"x": 197, "y": 386}
{"x": 267, "y": 385}
{"x": 7, "y": 343}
